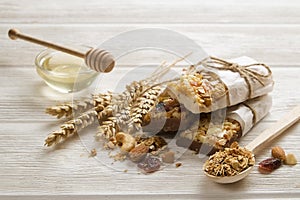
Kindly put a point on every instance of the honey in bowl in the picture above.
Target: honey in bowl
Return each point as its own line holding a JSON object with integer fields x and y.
{"x": 62, "y": 72}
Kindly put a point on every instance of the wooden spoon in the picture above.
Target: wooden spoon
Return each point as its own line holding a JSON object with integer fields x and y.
{"x": 265, "y": 137}
{"x": 96, "y": 59}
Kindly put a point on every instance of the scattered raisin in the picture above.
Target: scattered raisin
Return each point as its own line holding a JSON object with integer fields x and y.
{"x": 269, "y": 165}
{"x": 178, "y": 165}
{"x": 149, "y": 164}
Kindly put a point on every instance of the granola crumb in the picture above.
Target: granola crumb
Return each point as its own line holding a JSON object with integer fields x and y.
{"x": 178, "y": 164}
{"x": 109, "y": 145}
{"x": 118, "y": 157}
{"x": 125, "y": 170}
{"x": 168, "y": 157}
{"x": 93, "y": 153}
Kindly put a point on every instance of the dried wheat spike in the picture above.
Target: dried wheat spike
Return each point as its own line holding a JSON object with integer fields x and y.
{"x": 71, "y": 127}
{"x": 104, "y": 113}
{"x": 67, "y": 109}
{"x": 102, "y": 99}
{"x": 142, "y": 106}
{"x": 127, "y": 97}
{"x": 108, "y": 128}
{"x": 122, "y": 103}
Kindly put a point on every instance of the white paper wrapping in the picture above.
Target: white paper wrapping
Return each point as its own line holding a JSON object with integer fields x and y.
{"x": 238, "y": 90}
{"x": 250, "y": 112}
{"x": 237, "y": 86}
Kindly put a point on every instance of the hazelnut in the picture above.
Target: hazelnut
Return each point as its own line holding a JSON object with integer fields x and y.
{"x": 139, "y": 152}
{"x": 278, "y": 152}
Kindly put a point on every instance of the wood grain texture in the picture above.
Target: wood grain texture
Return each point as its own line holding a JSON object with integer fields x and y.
{"x": 265, "y": 43}
{"x": 29, "y": 168}
{"x": 156, "y": 11}
{"x": 268, "y": 31}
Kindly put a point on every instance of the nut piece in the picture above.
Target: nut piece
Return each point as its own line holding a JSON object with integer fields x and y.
{"x": 168, "y": 157}
{"x": 278, "y": 152}
{"x": 126, "y": 141}
{"x": 290, "y": 159}
{"x": 139, "y": 152}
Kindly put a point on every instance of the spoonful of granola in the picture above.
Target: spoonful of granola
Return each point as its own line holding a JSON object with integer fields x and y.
{"x": 235, "y": 163}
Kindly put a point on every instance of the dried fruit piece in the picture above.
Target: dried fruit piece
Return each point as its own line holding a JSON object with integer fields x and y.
{"x": 168, "y": 157}
{"x": 139, "y": 152}
{"x": 150, "y": 164}
{"x": 269, "y": 165}
{"x": 290, "y": 159}
{"x": 178, "y": 165}
{"x": 278, "y": 152}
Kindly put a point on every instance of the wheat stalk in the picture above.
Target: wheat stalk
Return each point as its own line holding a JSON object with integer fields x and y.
{"x": 142, "y": 106}
{"x": 108, "y": 128}
{"x": 101, "y": 111}
{"x": 99, "y": 101}
{"x": 71, "y": 127}
{"x": 102, "y": 100}
{"x": 69, "y": 108}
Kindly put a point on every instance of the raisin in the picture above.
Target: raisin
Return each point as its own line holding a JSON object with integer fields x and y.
{"x": 269, "y": 165}
{"x": 149, "y": 164}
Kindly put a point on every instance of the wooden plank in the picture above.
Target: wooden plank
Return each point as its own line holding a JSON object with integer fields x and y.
{"x": 29, "y": 169}
{"x": 265, "y": 43}
{"x": 157, "y": 11}
{"x": 27, "y": 95}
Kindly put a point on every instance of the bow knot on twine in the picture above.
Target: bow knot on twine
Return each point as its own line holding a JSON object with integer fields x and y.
{"x": 244, "y": 70}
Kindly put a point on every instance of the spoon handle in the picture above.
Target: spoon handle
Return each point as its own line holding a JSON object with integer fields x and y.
{"x": 269, "y": 134}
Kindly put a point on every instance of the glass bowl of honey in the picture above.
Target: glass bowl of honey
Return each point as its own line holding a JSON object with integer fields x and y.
{"x": 63, "y": 72}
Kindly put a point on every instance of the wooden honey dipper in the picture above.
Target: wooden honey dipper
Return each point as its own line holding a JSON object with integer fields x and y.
{"x": 96, "y": 59}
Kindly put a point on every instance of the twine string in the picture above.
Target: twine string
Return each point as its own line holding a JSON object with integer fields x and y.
{"x": 244, "y": 70}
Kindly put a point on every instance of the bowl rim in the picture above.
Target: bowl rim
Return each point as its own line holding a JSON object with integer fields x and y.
{"x": 40, "y": 57}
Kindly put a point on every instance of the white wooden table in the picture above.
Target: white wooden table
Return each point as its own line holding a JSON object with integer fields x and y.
{"x": 268, "y": 31}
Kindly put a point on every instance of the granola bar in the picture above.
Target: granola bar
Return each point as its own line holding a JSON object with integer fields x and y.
{"x": 207, "y": 137}
{"x": 216, "y": 84}
{"x": 168, "y": 116}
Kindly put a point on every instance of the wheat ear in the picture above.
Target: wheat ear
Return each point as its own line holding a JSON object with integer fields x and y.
{"x": 71, "y": 127}
{"x": 142, "y": 106}
{"x": 99, "y": 101}
{"x": 69, "y": 108}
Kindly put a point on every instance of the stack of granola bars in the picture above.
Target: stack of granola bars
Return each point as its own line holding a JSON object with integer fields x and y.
{"x": 213, "y": 104}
